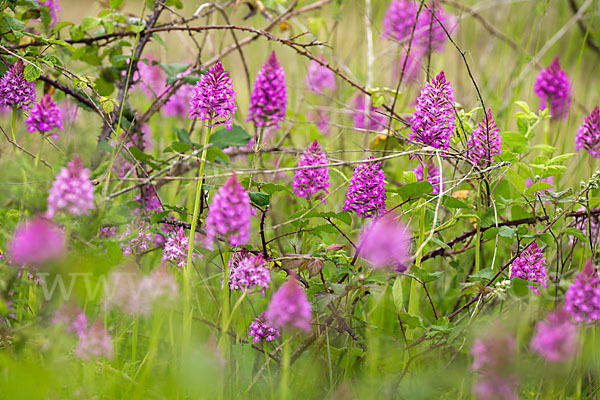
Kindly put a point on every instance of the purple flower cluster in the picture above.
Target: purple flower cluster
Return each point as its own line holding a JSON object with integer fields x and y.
{"x": 249, "y": 273}
{"x": 554, "y": 89}
{"x": 176, "y": 248}
{"x": 428, "y": 33}
{"x": 433, "y": 176}
{"x": 72, "y": 190}
{"x": 582, "y": 300}
{"x": 433, "y": 121}
{"x": 36, "y": 242}
{"x": 289, "y": 308}
{"x": 310, "y": 181}
{"x": 15, "y": 91}
{"x": 400, "y": 19}
{"x": 366, "y": 193}
{"x": 555, "y": 338}
{"x": 373, "y": 120}
{"x": 151, "y": 201}
{"x": 493, "y": 358}
{"x": 259, "y": 330}
{"x": 385, "y": 243}
{"x": 268, "y": 100}
{"x": 214, "y": 97}
{"x": 136, "y": 237}
{"x": 45, "y": 117}
{"x": 94, "y": 342}
{"x": 485, "y": 141}
{"x": 531, "y": 266}
{"x": 229, "y": 214}
{"x": 588, "y": 134}
{"x": 320, "y": 78}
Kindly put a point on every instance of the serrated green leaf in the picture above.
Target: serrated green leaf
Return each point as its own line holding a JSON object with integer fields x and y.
{"x": 31, "y": 72}
{"x": 261, "y": 199}
{"x": 575, "y": 232}
{"x": 536, "y": 187}
{"x": 507, "y": 232}
{"x": 223, "y": 138}
{"x": 414, "y": 190}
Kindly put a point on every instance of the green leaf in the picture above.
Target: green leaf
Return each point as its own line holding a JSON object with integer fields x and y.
{"x": 32, "y": 72}
{"x": 398, "y": 295}
{"x": 216, "y": 154}
{"x": 89, "y": 23}
{"x": 484, "y": 274}
{"x": 158, "y": 216}
{"x": 177, "y": 147}
{"x": 183, "y": 136}
{"x": 223, "y": 138}
{"x": 507, "y": 231}
{"x": 140, "y": 155}
{"x": 559, "y": 159}
{"x": 174, "y": 68}
{"x": 452, "y": 202}
{"x": 536, "y": 187}
{"x": 261, "y": 199}
{"x": 515, "y": 141}
{"x": 413, "y": 190}
{"x": 114, "y": 4}
{"x": 412, "y": 321}
{"x": 10, "y": 23}
{"x": 271, "y": 188}
{"x": 575, "y": 232}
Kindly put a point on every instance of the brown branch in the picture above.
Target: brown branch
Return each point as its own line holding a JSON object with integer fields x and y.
{"x": 584, "y": 29}
{"x": 71, "y": 92}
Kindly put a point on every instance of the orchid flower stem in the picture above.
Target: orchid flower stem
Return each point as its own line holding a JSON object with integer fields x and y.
{"x": 187, "y": 274}
{"x": 285, "y": 369}
{"x": 14, "y": 123}
{"x": 415, "y": 291}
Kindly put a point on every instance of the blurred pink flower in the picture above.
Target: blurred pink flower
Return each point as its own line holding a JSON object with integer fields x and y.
{"x": 289, "y": 308}
{"x": 95, "y": 342}
{"x": 36, "y": 242}
{"x": 385, "y": 243}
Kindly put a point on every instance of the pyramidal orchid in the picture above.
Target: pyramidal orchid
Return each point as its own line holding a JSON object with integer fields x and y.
{"x": 45, "y": 117}
{"x": 312, "y": 182}
{"x": 588, "y": 134}
{"x": 385, "y": 243}
{"x": 36, "y": 242}
{"x": 485, "y": 142}
{"x": 268, "y": 100}
{"x": 432, "y": 123}
{"x": 289, "y": 308}
{"x": 554, "y": 89}
{"x": 531, "y": 266}
{"x": 15, "y": 90}
{"x": 229, "y": 214}
{"x": 366, "y": 193}
{"x": 555, "y": 338}
{"x": 72, "y": 191}
{"x": 214, "y": 97}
